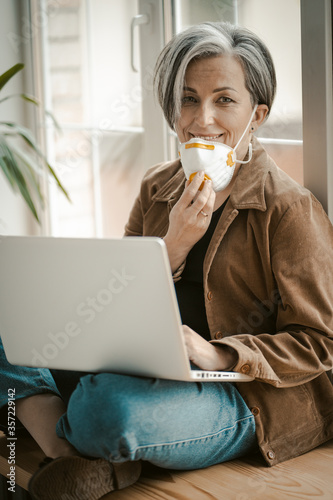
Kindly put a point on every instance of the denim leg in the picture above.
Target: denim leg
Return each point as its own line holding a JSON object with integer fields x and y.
{"x": 66, "y": 381}
{"x": 26, "y": 381}
{"x": 23, "y": 380}
{"x": 177, "y": 425}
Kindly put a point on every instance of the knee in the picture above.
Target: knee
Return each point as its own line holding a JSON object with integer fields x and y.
{"x": 101, "y": 415}
{"x": 100, "y": 401}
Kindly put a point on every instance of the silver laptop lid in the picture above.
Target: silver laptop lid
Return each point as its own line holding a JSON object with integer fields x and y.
{"x": 91, "y": 304}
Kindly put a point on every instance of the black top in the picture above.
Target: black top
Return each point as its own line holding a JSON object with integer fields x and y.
{"x": 189, "y": 288}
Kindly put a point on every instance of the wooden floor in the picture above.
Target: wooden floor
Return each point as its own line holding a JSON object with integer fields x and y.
{"x": 309, "y": 477}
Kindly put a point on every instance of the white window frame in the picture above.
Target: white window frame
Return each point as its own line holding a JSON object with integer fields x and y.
{"x": 316, "y": 30}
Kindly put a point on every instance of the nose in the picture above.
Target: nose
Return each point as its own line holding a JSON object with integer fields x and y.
{"x": 205, "y": 115}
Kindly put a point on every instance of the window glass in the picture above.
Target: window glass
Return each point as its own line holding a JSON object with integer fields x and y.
{"x": 96, "y": 97}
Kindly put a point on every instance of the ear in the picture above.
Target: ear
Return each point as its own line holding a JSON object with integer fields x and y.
{"x": 259, "y": 117}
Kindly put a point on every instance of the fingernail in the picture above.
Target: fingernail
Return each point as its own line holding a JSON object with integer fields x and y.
{"x": 201, "y": 173}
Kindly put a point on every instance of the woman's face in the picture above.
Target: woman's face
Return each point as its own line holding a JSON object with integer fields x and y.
{"x": 216, "y": 104}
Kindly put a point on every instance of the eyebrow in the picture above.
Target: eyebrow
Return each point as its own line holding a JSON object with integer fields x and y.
{"x": 214, "y": 91}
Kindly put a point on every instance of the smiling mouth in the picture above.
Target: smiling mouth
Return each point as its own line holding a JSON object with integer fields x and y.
{"x": 207, "y": 137}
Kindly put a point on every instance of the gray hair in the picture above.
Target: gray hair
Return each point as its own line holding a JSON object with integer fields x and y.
{"x": 213, "y": 39}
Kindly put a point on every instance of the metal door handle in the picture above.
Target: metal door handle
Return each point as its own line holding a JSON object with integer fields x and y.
{"x": 136, "y": 21}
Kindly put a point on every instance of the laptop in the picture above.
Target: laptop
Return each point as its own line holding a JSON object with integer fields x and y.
{"x": 94, "y": 305}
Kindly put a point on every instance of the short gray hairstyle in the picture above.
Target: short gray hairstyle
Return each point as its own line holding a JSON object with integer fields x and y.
{"x": 213, "y": 39}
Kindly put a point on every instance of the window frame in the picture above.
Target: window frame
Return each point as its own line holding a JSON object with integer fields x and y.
{"x": 316, "y": 33}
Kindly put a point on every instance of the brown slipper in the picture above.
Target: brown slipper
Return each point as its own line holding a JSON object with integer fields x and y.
{"x": 79, "y": 478}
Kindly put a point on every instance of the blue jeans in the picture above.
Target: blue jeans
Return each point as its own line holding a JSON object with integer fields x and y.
{"x": 177, "y": 425}
{"x": 25, "y": 381}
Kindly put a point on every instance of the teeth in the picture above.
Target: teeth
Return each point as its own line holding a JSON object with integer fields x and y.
{"x": 207, "y": 138}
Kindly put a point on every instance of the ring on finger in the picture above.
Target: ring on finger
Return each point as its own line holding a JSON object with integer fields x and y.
{"x": 203, "y": 213}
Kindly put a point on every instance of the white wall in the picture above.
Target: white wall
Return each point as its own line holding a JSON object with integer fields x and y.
{"x": 15, "y": 218}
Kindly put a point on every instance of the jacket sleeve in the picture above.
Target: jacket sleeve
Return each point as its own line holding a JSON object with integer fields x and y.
{"x": 134, "y": 226}
{"x": 302, "y": 264}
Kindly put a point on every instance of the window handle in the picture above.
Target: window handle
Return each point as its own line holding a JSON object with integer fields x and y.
{"x": 136, "y": 21}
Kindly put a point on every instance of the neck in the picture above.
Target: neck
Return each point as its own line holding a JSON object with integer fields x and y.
{"x": 221, "y": 196}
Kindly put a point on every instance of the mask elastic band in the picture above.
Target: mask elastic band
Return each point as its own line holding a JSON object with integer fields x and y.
{"x": 250, "y": 156}
{"x": 247, "y": 126}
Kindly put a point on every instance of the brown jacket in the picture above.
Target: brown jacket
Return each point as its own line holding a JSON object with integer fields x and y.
{"x": 268, "y": 284}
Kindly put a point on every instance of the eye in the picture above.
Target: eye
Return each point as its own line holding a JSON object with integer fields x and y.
{"x": 224, "y": 100}
{"x": 189, "y": 99}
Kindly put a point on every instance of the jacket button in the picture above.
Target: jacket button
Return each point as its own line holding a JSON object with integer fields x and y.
{"x": 209, "y": 295}
{"x": 218, "y": 335}
{"x": 255, "y": 411}
{"x": 245, "y": 369}
{"x": 271, "y": 455}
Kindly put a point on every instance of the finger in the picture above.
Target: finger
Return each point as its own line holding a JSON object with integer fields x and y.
{"x": 209, "y": 207}
{"x": 191, "y": 190}
{"x": 207, "y": 210}
{"x": 203, "y": 198}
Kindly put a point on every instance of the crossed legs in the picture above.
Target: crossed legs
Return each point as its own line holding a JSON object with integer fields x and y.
{"x": 178, "y": 425}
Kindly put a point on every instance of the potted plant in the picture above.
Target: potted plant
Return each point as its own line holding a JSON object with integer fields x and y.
{"x": 23, "y": 170}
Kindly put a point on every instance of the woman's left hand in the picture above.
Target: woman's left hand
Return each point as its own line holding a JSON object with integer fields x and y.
{"x": 208, "y": 356}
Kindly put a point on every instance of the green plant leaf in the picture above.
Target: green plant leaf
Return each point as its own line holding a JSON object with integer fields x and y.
{"x": 35, "y": 166}
{"x": 33, "y": 100}
{"x": 30, "y": 98}
{"x": 5, "y": 77}
{"x": 17, "y": 176}
{"x": 7, "y": 172}
{"x": 58, "y": 181}
{"x": 27, "y": 137}
{"x": 30, "y": 172}
{"x": 55, "y": 122}
{"x": 23, "y": 172}
{"x": 4, "y": 166}
{"x": 25, "y": 134}
{"x": 26, "y": 97}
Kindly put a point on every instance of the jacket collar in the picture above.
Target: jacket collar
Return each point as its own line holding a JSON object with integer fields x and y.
{"x": 248, "y": 190}
{"x": 249, "y": 187}
{"x": 173, "y": 188}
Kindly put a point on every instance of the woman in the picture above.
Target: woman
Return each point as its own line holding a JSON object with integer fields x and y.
{"x": 251, "y": 255}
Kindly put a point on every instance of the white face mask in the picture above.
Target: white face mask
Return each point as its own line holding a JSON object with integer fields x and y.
{"x": 216, "y": 159}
